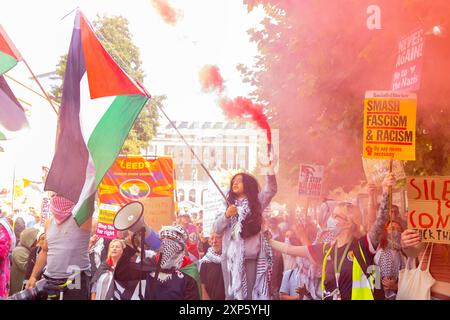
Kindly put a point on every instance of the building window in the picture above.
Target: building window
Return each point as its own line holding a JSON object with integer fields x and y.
{"x": 169, "y": 151}
{"x": 230, "y": 157}
{"x": 206, "y": 156}
{"x": 242, "y": 159}
{"x": 180, "y": 193}
{"x": 219, "y": 156}
{"x": 192, "y": 195}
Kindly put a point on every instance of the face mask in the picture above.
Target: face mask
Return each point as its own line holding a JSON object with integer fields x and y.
{"x": 331, "y": 223}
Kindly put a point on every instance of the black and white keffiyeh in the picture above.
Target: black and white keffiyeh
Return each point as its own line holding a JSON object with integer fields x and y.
{"x": 211, "y": 256}
{"x": 235, "y": 258}
{"x": 173, "y": 239}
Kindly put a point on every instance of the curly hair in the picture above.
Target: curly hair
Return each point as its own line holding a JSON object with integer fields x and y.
{"x": 252, "y": 224}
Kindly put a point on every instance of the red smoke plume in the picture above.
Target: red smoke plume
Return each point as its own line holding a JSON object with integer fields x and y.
{"x": 242, "y": 108}
{"x": 166, "y": 12}
{"x": 210, "y": 78}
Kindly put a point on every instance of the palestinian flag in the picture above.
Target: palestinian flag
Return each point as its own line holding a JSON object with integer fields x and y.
{"x": 9, "y": 55}
{"x": 12, "y": 115}
{"x": 100, "y": 103}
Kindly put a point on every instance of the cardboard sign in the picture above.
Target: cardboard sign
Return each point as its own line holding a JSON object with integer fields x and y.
{"x": 45, "y": 210}
{"x": 158, "y": 212}
{"x": 408, "y": 65}
{"x": 150, "y": 181}
{"x": 429, "y": 207}
{"x": 376, "y": 170}
{"x": 310, "y": 180}
{"x": 389, "y": 125}
{"x": 213, "y": 205}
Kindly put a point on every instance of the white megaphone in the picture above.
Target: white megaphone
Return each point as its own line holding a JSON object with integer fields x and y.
{"x": 130, "y": 217}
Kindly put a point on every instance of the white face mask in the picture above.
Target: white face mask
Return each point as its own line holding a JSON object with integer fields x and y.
{"x": 331, "y": 223}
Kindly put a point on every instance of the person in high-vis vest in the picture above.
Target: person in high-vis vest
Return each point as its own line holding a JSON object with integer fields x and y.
{"x": 348, "y": 271}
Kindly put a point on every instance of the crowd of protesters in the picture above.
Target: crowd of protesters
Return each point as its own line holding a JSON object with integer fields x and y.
{"x": 250, "y": 253}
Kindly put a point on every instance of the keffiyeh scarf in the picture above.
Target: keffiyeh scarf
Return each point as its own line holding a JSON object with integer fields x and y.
{"x": 211, "y": 256}
{"x": 172, "y": 254}
{"x": 235, "y": 258}
{"x": 61, "y": 208}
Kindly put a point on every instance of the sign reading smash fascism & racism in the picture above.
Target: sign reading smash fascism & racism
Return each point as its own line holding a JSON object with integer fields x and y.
{"x": 389, "y": 125}
{"x": 429, "y": 207}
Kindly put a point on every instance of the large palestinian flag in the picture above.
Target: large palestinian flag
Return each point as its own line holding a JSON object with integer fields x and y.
{"x": 100, "y": 103}
{"x": 12, "y": 116}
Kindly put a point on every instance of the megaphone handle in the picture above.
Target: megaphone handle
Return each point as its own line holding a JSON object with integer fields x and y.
{"x": 133, "y": 241}
{"x": 142, "y": 232}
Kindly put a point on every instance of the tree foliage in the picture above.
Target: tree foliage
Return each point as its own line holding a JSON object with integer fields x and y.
{"x": 317, "y": 59}
{"x": 114, "y": 34}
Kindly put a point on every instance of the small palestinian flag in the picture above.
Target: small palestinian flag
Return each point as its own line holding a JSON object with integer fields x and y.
{"x": 12, "y": 115}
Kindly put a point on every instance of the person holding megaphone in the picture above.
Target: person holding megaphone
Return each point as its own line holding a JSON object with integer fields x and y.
{"x": 169, "y": 275}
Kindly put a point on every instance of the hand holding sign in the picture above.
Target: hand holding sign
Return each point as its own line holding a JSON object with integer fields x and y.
{"x": 410, "y": 238}
{"x": 389, "y": 181}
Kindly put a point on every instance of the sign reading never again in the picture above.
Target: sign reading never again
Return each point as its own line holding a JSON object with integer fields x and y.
{"x": 429, "y": 207}
{"x": 389, "y": 125}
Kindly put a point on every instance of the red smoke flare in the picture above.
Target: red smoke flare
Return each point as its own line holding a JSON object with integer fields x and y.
{"x": 166, "y": 12}
{"x": 242, "y": 107}
{"x": 210, "y": 78}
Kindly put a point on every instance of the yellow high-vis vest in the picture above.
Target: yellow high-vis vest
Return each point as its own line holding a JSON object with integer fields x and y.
{"x": 362, "y": 288}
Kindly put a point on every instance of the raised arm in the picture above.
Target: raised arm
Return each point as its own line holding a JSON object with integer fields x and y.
{"x": 298, "y": 251}
{"x": 269, "y": 191}
{"x": 371, "y": 205}
{"x": 127, "y": 270}
{"x": 377, "y": 228}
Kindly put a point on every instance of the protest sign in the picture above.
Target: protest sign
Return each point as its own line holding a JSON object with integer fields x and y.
{"x": 158, "y": 212}
{"x": 149, "y": 181}
{"x": 213, "y": 205}
{"x": 429, "y": 207}
{"x": 408, "y": 65}
{"x": 389, "y": 125}
{"x": 45, "y": 209}
{"x": 310, "y": 180}
{"x": 376, "y": 170}
{"x": 105, "y": 228}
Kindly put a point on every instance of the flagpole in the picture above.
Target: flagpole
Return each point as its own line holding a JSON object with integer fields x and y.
{"x": 40, "y": 86}
{"x": 193, "y": 153}
{"x": 13, "y": 188}
{"x": 176, "y": 129}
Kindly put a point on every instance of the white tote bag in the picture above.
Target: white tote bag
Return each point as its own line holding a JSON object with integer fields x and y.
{"x": 414, "y": 283}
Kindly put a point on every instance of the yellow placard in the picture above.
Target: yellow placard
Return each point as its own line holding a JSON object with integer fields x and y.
{"x": 389, "y": 125}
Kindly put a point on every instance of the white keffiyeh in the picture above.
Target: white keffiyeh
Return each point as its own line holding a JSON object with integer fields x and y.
{"x": 235, "y": 258}
{"x": 211, "y": 256}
